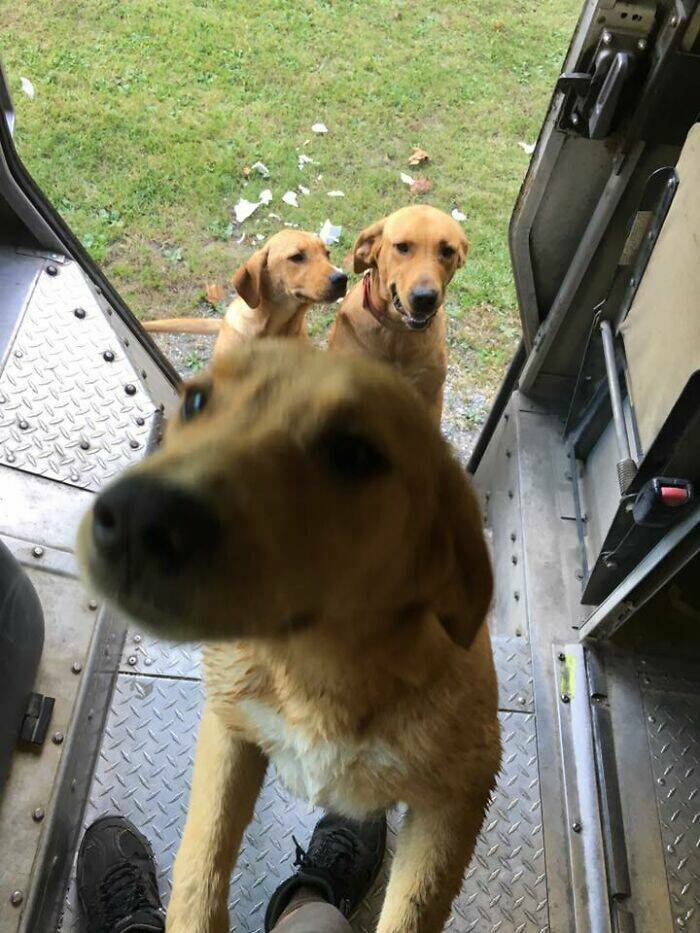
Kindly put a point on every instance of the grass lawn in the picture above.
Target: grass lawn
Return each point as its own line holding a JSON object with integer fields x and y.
{"x": 147, "y": 113}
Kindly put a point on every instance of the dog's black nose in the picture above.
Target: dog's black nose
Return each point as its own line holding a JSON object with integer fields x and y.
{"x": 153, "y": 522}
{"x": 423, "y": 300}
{"x": 339, "y": 281}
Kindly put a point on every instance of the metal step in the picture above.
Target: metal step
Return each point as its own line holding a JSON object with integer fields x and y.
{"x": 143, "y": 772}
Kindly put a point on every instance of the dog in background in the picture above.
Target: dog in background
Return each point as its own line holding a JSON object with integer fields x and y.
{"x": 305, "y": 519}
{"x": 276, "y": 287}
{"x": 396, "y": 312}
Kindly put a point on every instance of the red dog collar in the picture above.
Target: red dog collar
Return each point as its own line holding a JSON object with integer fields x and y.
{"x": 379, "y": 314}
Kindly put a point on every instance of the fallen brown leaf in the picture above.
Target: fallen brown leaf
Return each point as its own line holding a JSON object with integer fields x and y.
{"x": 417, "y": 156}
{"x": 246, "y": 171}
{"x": 214, "y": 293}
{"x": 420, "y": 186}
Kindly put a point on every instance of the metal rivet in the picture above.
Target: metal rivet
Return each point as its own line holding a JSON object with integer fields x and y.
{"x": 19, "y": 354}
{"x": 510, "y": 493}
{"x": 16, "y": 898}
{"x": 487, "y": 496}
{"x": 576, "y": 826}
{"x": 579, "y": 574}
{"x": 126, "y": 341}
{"x": 108, "y": 356}
{"x": 513, "y": 536}
{"x": 137, "y": 639}
{"x": 85, "y": 445}
{"x": 76, "y": 667}
{"x": 567, "y": 475}
{"x": 652, "y": 719}
{"x": 57, "y": 738}
{"x": 561, "y": 656}
{"x": 74, "y": 477}
{"x": 607, "y": 38}
{"x": 144, "y": 374}
{"x": 148, "y": 662}
{"x": 574, "y": 119}
{"x": 38, "y": 551}
{"x": 610, "y": 563}
{"x": 132, "y": 659}
{"x": 79, "y": 313}
{"x": 514, "y": 559}
{"x": 508, "y": 453}
{"x": 10, "y": 457}
{"x": 516, "y": 596}
{"x": 522, "y": 701}
{"x": 23, "y": 425}
{"x": 134, "y": 444}
{"x": 51, "y": 270}
{"x": 565, "y": 698}
{"x": 130, "y": 389}
{"x": 140, "y": 421}
{"x": 38, "y": 815}
{"x": 674, "y": 20}
{"x": 161, "y": 407}
{"x": 662, "y": 782}
{"x": 518, "y": 632}
{"x": 641, "y": 44}
{"x": 93, "y": 604}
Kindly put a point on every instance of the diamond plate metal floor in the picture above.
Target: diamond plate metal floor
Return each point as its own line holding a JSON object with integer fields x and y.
{"x": 673, "y": 721}
{"x": 143, "y": 772}
{"x": 72, "y": 407}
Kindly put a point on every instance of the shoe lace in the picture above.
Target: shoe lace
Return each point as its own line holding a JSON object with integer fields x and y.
{"x": 123, "y": 891}
{"x": 336, "y": 853}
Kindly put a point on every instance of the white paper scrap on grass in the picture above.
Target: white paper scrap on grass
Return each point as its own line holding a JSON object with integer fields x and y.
{"x": 329, "y": 233}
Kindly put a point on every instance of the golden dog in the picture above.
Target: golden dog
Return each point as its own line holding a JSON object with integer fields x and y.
{"x": 308, "y": 523}
{"x": 396, "y": 312}
{"x": 276, "y": 287}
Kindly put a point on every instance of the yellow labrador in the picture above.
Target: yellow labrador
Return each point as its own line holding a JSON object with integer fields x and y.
{"x": 312, "y": 527}
{"x": 276, "y": 287}
{"x": 395, "y": 313}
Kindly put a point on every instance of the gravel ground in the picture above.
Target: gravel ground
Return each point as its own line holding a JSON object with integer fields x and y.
{"x": 463, "y": 413}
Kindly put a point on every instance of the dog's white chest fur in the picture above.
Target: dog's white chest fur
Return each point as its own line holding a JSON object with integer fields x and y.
{"x": 312, "y": 769}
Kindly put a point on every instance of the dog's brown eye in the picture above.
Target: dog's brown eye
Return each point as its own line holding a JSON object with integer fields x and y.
{"x": 194, "y": 402}
{"x": 447, "y": 252}
{"x": 297, "y": 257}
{"x": 350, "y": 456}
{"x": 401, "y": 247}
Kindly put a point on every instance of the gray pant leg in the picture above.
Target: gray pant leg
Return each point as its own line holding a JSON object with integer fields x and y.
{"x": 316, "y": 917}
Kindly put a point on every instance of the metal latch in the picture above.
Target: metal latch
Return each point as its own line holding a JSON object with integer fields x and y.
{"x": 594, "y": 96}
{"x": 36, "y": 719}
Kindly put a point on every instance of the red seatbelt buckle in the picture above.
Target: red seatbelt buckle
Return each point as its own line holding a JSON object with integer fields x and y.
{"x": 673, "y": 496}
{"x": 660, "y": 501}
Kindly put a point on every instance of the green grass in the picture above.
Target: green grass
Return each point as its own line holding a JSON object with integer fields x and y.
{"x": 147, "y": 112}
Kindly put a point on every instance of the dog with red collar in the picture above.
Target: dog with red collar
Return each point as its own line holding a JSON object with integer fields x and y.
{"x": 396, "y": 312}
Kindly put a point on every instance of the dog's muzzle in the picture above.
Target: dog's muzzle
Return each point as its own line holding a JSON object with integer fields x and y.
{"x": 424, "y": 306}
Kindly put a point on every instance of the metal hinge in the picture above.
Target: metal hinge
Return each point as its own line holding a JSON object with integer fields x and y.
{"x": 36, "y": 719}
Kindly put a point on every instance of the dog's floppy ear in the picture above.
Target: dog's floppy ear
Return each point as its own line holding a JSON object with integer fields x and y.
{"x": 462, "y": 250}
{"x": 461, "y": 568}
{"x": 367, "y": 247}
{"x": 248, "y": 279}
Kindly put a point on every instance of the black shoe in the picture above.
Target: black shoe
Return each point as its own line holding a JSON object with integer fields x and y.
{"x": 342, "y": 861}
{"x": 117, "y": 883}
